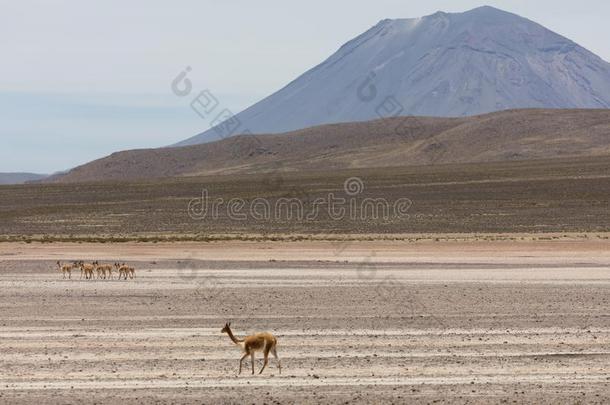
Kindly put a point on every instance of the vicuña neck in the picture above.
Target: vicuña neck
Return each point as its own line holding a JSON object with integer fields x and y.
{"x": 232, "y": 337}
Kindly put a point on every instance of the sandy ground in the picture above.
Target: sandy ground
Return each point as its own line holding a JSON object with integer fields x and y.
{"x": 357, "y": 322}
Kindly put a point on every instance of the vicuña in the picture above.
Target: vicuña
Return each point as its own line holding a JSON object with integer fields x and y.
{"x": 264, "y": 342}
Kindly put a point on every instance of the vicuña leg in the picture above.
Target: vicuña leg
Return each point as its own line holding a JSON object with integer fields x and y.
{"x": 266, "y": 353}
{"x": 241, "y": 361}
{"x": 279, "y": 363}
{"x": 252, "y": 360}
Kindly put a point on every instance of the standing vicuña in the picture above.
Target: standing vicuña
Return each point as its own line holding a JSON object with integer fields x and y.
{"x": 87, "y": 269}
{"x": 104, "y": 270}
{"x": 65, "y": 269}
{"x": 125, "y": 271}
{"x": 264, "y": 342}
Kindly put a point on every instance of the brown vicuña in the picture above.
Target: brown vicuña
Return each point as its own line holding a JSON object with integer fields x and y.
{"x": 103, "y": 270}
{"x": 65, "y": 269}
{"x": 264, "y": 342}
{"x": 87, "y": 269}
{"x": 125, "y": 271}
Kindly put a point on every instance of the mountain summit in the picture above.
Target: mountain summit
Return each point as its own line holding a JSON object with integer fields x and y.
{"x": 443, "y": 65}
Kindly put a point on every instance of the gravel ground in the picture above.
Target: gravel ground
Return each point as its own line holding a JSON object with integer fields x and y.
{"x": 364, "y": 322}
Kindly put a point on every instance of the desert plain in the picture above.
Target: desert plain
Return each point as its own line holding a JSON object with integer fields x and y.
{"x": 451, "y": 321}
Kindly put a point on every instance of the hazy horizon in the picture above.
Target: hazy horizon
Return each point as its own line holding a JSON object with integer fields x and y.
{"x": 74, "y": 90}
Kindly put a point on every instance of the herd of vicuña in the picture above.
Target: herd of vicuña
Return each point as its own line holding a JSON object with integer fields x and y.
{"x": 95, "y": 270}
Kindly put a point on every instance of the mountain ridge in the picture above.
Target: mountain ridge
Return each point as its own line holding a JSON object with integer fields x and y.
{"x": 399, "y": 141}
{"x": 19, "y": 178}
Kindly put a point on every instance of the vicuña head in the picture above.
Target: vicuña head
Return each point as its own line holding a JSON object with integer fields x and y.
{"x": 264, "y": 342}
{"x": 226, "y": 329}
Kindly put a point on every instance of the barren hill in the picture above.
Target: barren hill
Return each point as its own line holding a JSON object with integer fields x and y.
{"x": 402, "y": 141}
{"x": 19, "y": 178}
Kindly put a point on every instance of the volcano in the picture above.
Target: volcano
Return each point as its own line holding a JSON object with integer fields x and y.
{"x": 441, "y": 65}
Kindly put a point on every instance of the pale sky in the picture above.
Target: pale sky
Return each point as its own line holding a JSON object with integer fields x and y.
{"x": 82, "y": 79}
